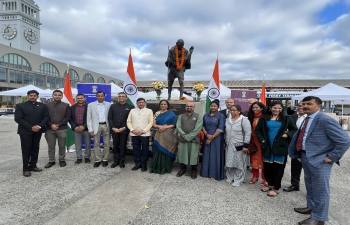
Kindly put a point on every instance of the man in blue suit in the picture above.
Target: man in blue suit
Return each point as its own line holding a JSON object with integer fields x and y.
{"x": 318, "y": 144}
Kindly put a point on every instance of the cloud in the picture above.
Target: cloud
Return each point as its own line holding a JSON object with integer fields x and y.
{"x": 281, "y": 39}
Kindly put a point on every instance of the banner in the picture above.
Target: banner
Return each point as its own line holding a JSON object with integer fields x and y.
{"x": 241, "y": 98}
{"x": 90, "y": 90}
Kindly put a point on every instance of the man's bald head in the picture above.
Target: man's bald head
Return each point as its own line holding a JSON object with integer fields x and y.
{"x": 251, "y": 101}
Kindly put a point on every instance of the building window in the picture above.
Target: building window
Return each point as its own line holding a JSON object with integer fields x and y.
{"x": 88, "y": 78}
{"x": 3, "y": 77}
{"x": 15, "y": 77}
{"x": 74, "y": 83}
{"x": 111, "y": 82}
{"x": 101, "y": 80}
{"x": 28, "y": 78}
{"x": 49, "y": 69}
{"x": 59, "y": 83}
{"x": 39, "y": 80}
{"x": 120, "y": 84}
{"x": 15, "y": 61}
{"x": 50, "y": 82}
{"x": 73, "y": 74}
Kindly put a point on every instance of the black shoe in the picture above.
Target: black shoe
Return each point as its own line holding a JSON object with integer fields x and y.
{"x": 26, "y": 173}
{"x": 97, "y": 164}
{"x": 114, "y": 165}
{"x": 136, "y": 167}
{"x": 291, "y": 188}
{"x": 63, "y": 163}
{"x": 122, "y": 165}
{"x": 49, "y": 164}
{"x": 144, "y": 169}
{"x": 87, "y": 160}
{"x": 104, "y": 163}
{"x": 35, "y": 169}
{"x": 78, "y": 161}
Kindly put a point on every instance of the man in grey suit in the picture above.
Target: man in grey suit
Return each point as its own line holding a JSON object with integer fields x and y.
{"x": 97, "y": 123}
{"x": 318, "y": 144}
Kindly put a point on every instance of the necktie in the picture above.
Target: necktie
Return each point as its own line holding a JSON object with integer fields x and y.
{"x": 301, "y": 134}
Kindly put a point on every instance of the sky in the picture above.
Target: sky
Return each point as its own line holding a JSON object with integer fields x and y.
{"x": 283, "y": 39}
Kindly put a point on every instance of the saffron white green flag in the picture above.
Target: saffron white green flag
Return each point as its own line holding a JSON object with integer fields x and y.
{"x": 214, "y": 87}
{"x": 68, "y": 98}
{"x": 130, "y": 87}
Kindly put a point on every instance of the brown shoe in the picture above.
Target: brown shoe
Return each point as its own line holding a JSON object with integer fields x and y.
{"x": 305, "y": 210}
{"x": 194, "y": 175}
{"x": 36, "y": 169}
{"x": 311, "y": 221}
{"x": 26, "y": 173}
{"x": 180, "y": 173}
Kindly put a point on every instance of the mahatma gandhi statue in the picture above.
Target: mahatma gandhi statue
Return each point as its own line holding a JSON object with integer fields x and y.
{"x": 179, "y": 59}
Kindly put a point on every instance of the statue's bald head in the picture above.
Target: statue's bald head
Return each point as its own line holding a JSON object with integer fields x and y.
{"x": 180, "y": 43}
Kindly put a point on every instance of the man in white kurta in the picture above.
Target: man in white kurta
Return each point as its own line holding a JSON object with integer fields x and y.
{"x": 188, "y": 126}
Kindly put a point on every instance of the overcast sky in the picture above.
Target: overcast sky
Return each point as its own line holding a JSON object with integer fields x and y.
{"x": 289, "y": 39}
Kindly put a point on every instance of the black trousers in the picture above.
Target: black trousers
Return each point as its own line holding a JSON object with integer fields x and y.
{"x": 140, "y": 148}
{"x": 296, "y": 168}
{"x": 183, "y": 167}
{"x": 119, "y": 147}
{"x": 274, "y": 173}
{"x": 30, "y": 149}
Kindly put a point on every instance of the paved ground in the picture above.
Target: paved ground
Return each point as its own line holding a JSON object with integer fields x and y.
{"x": 81, "y": 194}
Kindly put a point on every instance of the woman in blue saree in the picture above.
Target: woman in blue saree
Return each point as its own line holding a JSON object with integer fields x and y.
{"x": 165, "y": 140}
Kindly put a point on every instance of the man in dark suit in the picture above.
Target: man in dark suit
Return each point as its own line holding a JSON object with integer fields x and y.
{"x": 296, "y": 166}
{"x": 31, "y": 117}
{"x": 318, "y": 144}
{"x": 226, "y": 112}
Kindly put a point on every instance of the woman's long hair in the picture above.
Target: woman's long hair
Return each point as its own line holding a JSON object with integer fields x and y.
{"x": 268, "y": 113}
{"x": 251, "y": 113}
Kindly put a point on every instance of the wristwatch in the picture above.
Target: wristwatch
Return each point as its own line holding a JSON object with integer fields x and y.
{"x": 39, "y": 126}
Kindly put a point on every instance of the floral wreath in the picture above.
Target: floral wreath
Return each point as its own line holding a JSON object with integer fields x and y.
{"x": 179, "y": 66}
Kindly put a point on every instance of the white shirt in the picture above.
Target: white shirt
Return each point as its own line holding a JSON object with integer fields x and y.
{"x": 300, "y": 120}
{"x": 101, "y": 112}
{"x": 312, "y": 116}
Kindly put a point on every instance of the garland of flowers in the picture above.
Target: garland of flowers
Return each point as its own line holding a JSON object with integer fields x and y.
{"x": 179, "y": 66}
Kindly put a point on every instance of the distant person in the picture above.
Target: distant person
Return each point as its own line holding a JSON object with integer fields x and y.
{"x": 117, "y": 117}
{"x": 188, "y": 125}
{"x": 290, "y": 111}
{"x": 319, "y": 144}
{"x": 296, "y": 166}
{"x": 59, "y": 116}
{"x": 226, "y": 112}
{"x": 78, "y": 122}
{"x": 274, "y": 131}
{"x": 140, "y": 121}
{"x": 97, "y": 122}
{"x": 250, "y": 102}
{"x": 213, "y": 160}
{"x": 32, "y": 117}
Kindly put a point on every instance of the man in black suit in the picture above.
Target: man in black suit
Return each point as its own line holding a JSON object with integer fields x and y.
{"x": 31, "y": 117}
{"x": 229, "y": 102}
{"x": 296, "y": 166}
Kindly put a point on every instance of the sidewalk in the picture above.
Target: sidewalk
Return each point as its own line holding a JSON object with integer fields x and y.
{"x": 81, "y": 194}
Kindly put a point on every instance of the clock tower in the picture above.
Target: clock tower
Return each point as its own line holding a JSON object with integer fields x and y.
{"x": 20, "y": 25}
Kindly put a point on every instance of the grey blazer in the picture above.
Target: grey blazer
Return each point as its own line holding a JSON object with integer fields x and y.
{"x": 92, "y": 116}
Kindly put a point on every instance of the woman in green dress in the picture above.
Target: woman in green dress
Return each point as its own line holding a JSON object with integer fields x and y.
{"x": 165, "y": 140}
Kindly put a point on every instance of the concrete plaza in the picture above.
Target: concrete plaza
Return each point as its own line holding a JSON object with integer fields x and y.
{"x": 81, "y": 194}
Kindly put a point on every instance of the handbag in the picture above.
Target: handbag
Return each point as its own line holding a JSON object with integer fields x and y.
{"x": 252, "y": 148}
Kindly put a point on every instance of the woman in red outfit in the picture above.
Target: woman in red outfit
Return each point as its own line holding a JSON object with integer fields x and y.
{"x": 256, "y": 110}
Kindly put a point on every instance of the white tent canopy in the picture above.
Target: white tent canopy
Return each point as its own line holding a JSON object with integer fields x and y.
{"x": 115, "y": 90}
{"x": 22, "y": 91}
{"x": 329, "y": 92}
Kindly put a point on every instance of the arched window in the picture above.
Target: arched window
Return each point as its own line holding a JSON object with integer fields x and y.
{"x": 49, "y": 69}
{"x": 120, "y": 84}
{"x": 73, "y": 75}
{"x": 111, "y": 82}
{"x": 15, "y": 61}
{"x": 101, "y": 80}
{"x": 88, "y": 78}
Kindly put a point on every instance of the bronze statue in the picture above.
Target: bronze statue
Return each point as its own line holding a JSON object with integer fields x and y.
{"x": 179, "y": 59}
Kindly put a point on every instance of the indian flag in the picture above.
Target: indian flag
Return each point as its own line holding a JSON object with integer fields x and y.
{"x": 130, "y": 87}
{"x": 214, "y": 87}
{"x": 68, "y": 98}
{"x": 263, "y": 92}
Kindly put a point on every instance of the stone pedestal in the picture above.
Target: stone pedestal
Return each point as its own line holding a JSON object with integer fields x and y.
{"x": 178, "y": 107}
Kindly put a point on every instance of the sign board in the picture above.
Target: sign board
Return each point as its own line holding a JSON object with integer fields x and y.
{"x": 90, "y": 90}
{"x": 241, "y": 97}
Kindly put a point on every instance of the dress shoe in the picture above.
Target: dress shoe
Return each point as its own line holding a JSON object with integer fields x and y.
{"x": 87, "y": 160}
{"x": 114, "y": 165}
{"x": 291, "y": 188}
{"x": 305, "y": 210}
{"x": 144, "y": 169}
{"x": 194, "y": 175}
{"x": 122, "y": 165}
{"x": 49, "y": 164}
{"x": 311, "y": 222}
{"x": 26, "y": 173}
{"x": 180, "y": 173}
{"x": 97, "y": 164}
{"x": 36, "y": 169}
{"x": 136, "y": 167}
{"x": 78, "y": 161}
{"x": 63, "y": 163}
{"x": 104, "y": 163}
